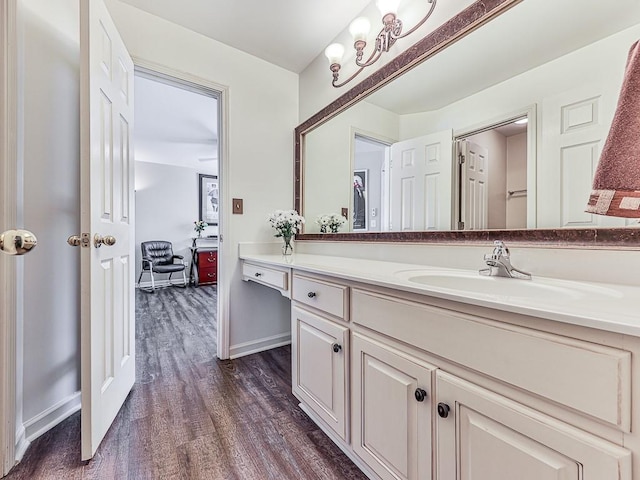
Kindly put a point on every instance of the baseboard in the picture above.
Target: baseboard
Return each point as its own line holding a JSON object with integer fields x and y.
{"x": 52, "y": 416}
{"x": 260, "y": 345}
{"x": 21, "y": 443}
{"x": 175, "y": 282}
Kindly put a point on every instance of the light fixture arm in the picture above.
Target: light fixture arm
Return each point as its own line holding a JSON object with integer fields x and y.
{"x": 386, "y": 38}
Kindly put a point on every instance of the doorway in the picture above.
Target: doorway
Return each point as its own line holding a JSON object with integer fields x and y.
{"x": 177, "y": 185}
{"x": 370, "y": 166}
{"x": 494, "y": 173}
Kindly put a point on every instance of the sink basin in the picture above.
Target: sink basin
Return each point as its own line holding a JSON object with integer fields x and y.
{"x": 472, "y": 283}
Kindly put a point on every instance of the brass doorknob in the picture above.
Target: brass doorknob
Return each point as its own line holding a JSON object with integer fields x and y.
{"x": 17, "y": 242}
{"x": 99, "y": 240}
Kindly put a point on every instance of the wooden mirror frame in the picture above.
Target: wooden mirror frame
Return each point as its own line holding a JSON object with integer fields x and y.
{"x": 477, "y": 14}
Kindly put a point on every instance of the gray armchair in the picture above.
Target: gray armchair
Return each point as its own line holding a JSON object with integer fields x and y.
{"x": 158, "y": 257}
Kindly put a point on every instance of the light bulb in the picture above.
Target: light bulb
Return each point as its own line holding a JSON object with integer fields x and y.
{"x": 334, "y": 53}
{"x": 388, "y": 6}
{"x": 359, "y": 29}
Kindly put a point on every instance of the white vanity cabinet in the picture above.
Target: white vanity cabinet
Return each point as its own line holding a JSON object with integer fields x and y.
{"x": 320, "y": 351}
{"x": 416, "y": 387}
{"x": 485, "y": 436}
{"x": 392, "y": 410}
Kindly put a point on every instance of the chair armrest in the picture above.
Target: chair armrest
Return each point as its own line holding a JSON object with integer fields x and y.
{"x": 147, "y": 260}
{"x": 178, "y": 256}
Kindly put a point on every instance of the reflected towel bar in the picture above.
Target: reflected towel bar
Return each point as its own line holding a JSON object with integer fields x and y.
{"x": 516, "y": 192}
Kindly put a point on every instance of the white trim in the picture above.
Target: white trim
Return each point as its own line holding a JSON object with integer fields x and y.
{"x": 8, "y": 219}
{"x": 52, "y": 416}
{"x": 21, "y": 443}
{"x": 226, "y": 258}
{"x": 260, "y": 345}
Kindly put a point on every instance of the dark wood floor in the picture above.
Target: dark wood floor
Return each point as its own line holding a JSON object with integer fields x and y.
{"x": 191, "y": 416}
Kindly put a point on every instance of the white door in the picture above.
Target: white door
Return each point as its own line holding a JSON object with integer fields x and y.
{"x": 421, "y": 174}
{"x": 107, "y": 328}
{"x": 475, "y": 186}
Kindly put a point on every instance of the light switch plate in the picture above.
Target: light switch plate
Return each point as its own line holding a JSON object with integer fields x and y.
{"x": 345, "y": 213}
{"x": 237, "y": 206}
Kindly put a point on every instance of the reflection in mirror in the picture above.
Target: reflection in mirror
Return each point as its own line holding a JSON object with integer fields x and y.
{"x": 564, "y": 78}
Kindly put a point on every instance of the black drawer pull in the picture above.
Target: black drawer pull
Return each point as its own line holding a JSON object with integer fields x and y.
{"x": 337, "y": 347}
{"x": 311, "y": 294}
{"x": 420, "y": 394}
{"x": 258, "y": 274}
{"x": 443, "y": 410}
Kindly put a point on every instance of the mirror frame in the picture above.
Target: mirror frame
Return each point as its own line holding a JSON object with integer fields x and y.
{"x": 474, "y": 16}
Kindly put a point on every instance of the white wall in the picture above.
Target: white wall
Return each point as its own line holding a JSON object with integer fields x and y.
{"x": 49, "y": 155}
{"x": 166, "y": 207}
{"x": 517, "y": 180}
{"x": 263, "y": 111}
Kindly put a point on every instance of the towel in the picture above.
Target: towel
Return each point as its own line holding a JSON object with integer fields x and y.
{"x": 616, "y": 184}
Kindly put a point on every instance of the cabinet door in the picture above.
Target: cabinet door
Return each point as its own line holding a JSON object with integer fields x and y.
{"x": 392, "y": 411}
{"x": 485, "y": 436}
{"x": 319, "y": 370}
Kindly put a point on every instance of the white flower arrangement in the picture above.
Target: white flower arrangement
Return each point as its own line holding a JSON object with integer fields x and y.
{"x": 199, "y": 226}
{"x": 286, "y": 222}
{"x": 330, "y": 222}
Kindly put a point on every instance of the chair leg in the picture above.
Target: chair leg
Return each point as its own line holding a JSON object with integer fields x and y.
{"x": 140, "y": 277}
{"x": 153, "y": 284}
{"x": 184, "y": 277}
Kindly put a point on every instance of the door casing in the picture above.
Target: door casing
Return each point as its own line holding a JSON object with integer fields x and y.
{"x": 224, "y": 258}
{"x": 10, "y": 282}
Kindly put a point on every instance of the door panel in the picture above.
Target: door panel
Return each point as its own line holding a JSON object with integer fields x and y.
{"x": 421, "y": 176}
{"x": 475, "y": 192}
{"x": 108, "y": 322}
{"x": 319, "y": 369}
{"x": 391, "y": 428}
{"x": 486, "y": 436}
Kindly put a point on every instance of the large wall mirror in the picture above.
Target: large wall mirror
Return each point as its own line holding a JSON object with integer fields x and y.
{"x": 502, "y": 129}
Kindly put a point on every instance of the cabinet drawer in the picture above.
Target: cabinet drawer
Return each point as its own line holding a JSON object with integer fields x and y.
{"x": 207, "y": 275}
{"x": 325, "y": 296}
{"x": 274, "y": 278}
{"x": 207, "y": 259}
{"x": 590, "y": 378}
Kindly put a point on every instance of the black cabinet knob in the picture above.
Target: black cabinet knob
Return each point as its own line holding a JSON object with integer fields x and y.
{"x": 311, "y": 294}
{"x": 443, "y": 410}
{"x": 337, "y": 347}
{"x": 420, "y": 394}
{"x": 258, "y": 274}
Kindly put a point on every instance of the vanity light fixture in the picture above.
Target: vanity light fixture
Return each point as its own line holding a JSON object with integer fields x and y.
{"x": 392, "y": 30}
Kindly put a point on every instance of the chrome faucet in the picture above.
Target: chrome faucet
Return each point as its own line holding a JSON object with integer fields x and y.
{"x": 499, "y": 262}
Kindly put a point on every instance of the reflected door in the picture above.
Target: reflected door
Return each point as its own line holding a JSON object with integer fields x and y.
{"x": 475, "y": 186}
{"x": 421, "y": 174}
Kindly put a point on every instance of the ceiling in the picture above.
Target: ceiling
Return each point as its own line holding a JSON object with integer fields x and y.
{"x": 175, "y": 126}
{"x": 288, "y": 33}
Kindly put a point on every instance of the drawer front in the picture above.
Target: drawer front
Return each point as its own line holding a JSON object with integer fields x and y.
{"x": 268, "y": 276}
{"x": 590, "y": 378}
{"x": 207, "y": 259}
{"x": 207, "y": 275}
{"x": 325, "y": 296}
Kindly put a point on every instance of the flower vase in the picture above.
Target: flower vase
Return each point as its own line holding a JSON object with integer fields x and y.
{"x": 287, "y": 248}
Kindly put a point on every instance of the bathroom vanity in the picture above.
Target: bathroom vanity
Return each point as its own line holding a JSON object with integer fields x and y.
{"x": 429, "y": 373}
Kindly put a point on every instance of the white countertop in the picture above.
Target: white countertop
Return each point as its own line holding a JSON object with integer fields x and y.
{"x": 610, "y": 307}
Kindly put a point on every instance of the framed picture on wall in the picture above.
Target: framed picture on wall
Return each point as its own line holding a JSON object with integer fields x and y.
{"x": 209, "y": 198}
{"x": 360, "y": 182}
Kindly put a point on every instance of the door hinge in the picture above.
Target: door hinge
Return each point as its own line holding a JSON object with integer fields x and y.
{"x": 461, "y": 159}
{"x": 460, "y": 225}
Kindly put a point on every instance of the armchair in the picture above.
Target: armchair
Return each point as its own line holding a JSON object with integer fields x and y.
{"x": 158, "y": 257}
